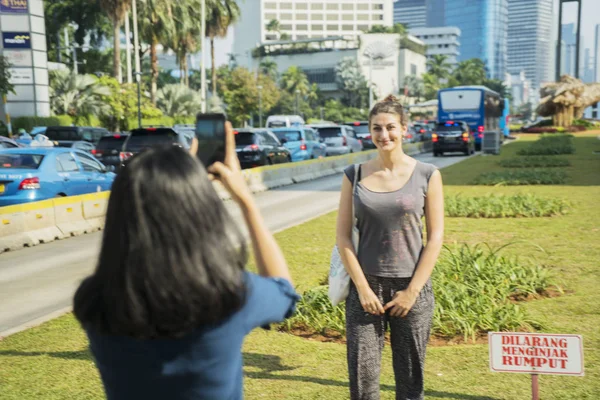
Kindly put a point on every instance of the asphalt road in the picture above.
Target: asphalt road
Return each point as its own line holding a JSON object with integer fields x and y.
{"x": 38, "y": 283}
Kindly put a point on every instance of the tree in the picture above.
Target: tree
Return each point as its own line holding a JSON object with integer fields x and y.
{"x": 221, "y": 14}
{"x": 274, "y": 26}
{"x": 238, "y": 88}
{"x": 116, "y": 10}
{"x": 5, "y": 86}
{"x": 354, "y": 86}
{"x": 397, "y": 28}
{"x": 156, "y": 24}
{"x": 78, "y": 96}
{"x": 498, "y": 86}
{"x": 268, "y": 67}
{"x": 294, "y": 79}
{"x": 178, "y": 100}
{"x": 470, "y": 72}
{"x": 415, "y": 86}
{"x": 186, "y": 34}
{"x": 123, "y": 105}
{"x": 439, "y": 67}
{"x": 431, "y": 86}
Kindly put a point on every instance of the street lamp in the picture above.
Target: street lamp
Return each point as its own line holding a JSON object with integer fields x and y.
{"x": 138, "y": 78}
{"x": 260, "y": 115}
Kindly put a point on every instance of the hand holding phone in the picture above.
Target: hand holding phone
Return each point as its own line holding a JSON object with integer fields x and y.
{"x": 210, "y": 133}
{"x": 229, "y": 172}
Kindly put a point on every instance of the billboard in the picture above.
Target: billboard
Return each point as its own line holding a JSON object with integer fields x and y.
{"x": 16, "y": 40}
{"x": 13, "y": 6}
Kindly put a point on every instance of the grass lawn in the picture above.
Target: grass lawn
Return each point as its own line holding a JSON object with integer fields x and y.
{"x": 52, "y": 361}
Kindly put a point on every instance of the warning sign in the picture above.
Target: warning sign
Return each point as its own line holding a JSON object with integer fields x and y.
{"x": 536, "y": 353}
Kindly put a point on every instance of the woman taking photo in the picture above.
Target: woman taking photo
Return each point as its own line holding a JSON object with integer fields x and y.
{"x": 169, "y": 304}
{"x": 390, "y": 271}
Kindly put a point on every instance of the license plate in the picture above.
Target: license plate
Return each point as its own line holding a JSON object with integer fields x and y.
{"x": 330, "y": 144}
{"x": 2, "y": 189}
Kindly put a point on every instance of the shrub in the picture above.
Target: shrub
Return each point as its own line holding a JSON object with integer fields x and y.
{"x": 28, "y": 123}
{"x": 542, "y": 130}
{"x": 534, "y": 162}
{"x": 577, "y": 128}
{"x": 585, "y": 123}
{"x": 475, "y": 289}
{"x": 550, "y": 145}
{"x": 504, "y": 206}
{"x": 522, "y": 177}
{"x": 132, "y": 123}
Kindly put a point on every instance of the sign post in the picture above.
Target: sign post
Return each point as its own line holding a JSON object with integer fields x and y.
{"x": 536, "y": 354}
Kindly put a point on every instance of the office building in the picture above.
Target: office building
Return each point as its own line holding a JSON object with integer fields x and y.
{"x": 529, "y": 40}
{"x": 23, "y": 32}
{"x": 569, "y": 38}
{"x": 483, "y": 26}
{"x": 305, "y": 19}
{"x": 597, "y": 54}
{"x": 444, "y": 41}
{"x": 412, "y": 13}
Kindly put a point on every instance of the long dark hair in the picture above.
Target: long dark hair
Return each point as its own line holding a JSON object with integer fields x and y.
{"x": 171, "y": 259}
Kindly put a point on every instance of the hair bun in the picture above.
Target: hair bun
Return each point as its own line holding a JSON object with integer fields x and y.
{"x": 391, "y": 99}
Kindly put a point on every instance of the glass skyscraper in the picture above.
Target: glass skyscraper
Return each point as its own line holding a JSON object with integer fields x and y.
{"x": 483, "y": 25}
{"x": 530, "y": 40}
{"x": 412, "y": 13}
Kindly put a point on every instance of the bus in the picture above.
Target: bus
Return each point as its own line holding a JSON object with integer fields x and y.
{"x": 480, "y": 107}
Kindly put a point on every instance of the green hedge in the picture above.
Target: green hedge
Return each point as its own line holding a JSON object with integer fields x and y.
{"x": 28, "y": 123}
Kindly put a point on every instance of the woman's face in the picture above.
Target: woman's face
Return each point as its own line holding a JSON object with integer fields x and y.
{"x": 387, "y": 131}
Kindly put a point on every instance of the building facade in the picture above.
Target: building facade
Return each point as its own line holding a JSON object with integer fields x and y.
{"x": 23, "y": 32}
{"x": 483, "y": 26}
{"x": 305, "y": 19}
{"x": 440, "y": 41}
{"x": 530, "y": 40}
{"x": 412, "y": 13}
{"x": 597, "y": 54}
{"x": 569, "y": 42}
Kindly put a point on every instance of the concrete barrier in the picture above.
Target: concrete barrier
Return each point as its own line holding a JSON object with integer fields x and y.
{"x": 12, "y": 228}
{"x": 69, "y": 216}
{"x": 40, "y": 222}
{"x": 94, "y": 209}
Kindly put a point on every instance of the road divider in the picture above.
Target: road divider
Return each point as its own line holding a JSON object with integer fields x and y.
{"x": 30, "y": 224}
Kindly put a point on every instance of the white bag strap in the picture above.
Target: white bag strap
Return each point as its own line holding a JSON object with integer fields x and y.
{"x": 354, "y": 181}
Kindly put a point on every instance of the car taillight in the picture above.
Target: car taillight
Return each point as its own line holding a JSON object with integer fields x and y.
{"x": 252, "y": 147}
{"x": 30, "y": 184}
{"x": 480, "y": 135}
{"x": 465, "y": 136}
{"x": 434, "y": 137}
{"x": 408, "y": 136}
{"x": 368, "y": 137}
{"x": 422, "y": 131}
{"x": 125, "y": 155}
{"x": 480, "y": 129}
{"x": 303, "y": 146}
{"x": 97, "y": 152}
{"x": 344, "y": 141}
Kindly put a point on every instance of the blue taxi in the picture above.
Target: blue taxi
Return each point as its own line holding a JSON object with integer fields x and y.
{"x": 34, "y": 174}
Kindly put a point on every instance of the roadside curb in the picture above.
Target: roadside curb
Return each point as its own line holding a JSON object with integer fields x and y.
{"x": 35, "y": 322}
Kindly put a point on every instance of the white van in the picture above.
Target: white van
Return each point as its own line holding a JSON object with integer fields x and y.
{"x": 284, "y": 121}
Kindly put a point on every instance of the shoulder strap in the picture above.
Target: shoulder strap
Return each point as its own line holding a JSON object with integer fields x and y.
{"x": 354, "y": 181}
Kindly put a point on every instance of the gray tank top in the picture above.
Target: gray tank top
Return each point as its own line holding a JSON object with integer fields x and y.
{"x": 390, "y": 224}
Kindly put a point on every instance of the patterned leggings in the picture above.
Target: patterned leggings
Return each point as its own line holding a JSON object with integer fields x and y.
{"x": 409, "y": 336}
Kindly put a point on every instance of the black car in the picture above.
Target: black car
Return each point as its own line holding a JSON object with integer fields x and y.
{"x": 258, "y": 147}
{"x": 453, "y": 136}
{"x": 363, "y": 133}
{"x": 145, "y": 138}
{"x": 108, "y": 149}
{"x": 82, "y": 137}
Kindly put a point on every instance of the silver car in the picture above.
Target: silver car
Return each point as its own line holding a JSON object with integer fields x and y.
{"x": 340, "y": 139}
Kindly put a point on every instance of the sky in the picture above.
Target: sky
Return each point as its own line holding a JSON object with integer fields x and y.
{"x": 590, "y": 16}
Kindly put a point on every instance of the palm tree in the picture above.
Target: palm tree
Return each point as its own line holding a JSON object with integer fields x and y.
{"x": 178, "y": 100}
{"x": 415, "y": 86}
{"x": 220, "y": 15}
{"x": 156, "y": 26}
{"x": 116, "y": 10}
{"x": 274, "y": 26}
{"x": 268, "y": 67}
{"x": 77, "y": 95}
{"x": 439, "y": 67}
{"x": 186, "y": 36}
{"x": 470, "y": 72}
{"x": 294, "y": 79}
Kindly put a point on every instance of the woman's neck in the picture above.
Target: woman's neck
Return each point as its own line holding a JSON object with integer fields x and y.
{"x": 391, "y": 160}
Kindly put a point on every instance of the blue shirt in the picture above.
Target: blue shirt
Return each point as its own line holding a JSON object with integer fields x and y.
{"x": 206, "y": 364}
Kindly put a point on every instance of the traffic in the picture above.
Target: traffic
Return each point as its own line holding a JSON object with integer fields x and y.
{"x": 59, "y": 161}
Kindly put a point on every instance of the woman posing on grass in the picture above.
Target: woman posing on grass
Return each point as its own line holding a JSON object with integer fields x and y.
{"x": 169, "y": 304}
{"x": 390, "y": 271}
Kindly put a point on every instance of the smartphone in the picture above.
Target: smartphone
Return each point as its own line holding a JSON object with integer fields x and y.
{"x": 210, "y": 132}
